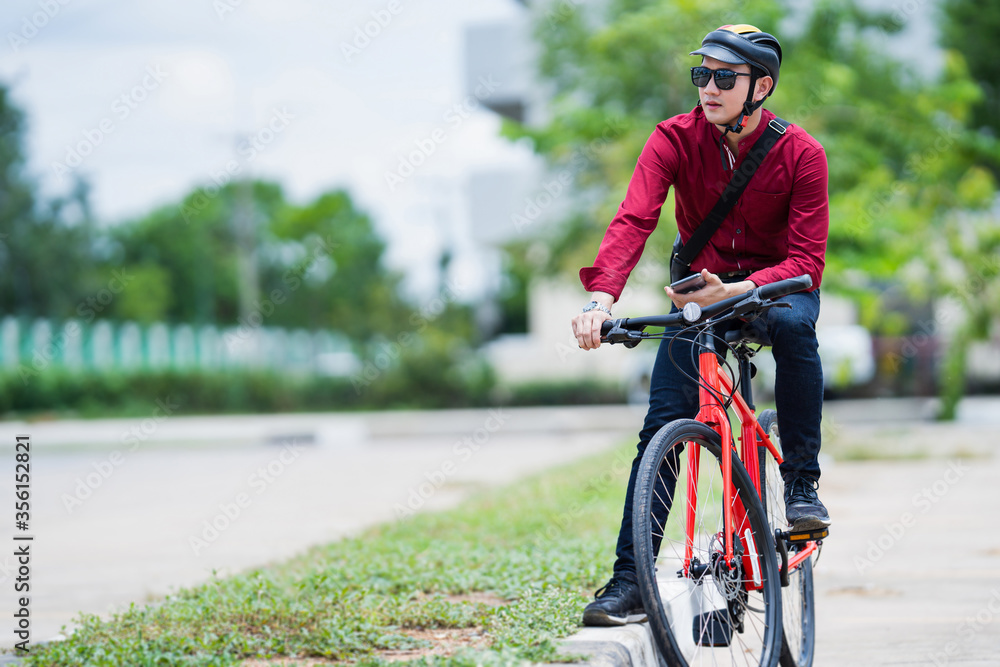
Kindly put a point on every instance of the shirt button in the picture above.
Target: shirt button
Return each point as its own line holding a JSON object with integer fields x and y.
{"x": 739, "y": 231}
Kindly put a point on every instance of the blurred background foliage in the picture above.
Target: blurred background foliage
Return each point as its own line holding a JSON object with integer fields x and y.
{"x": 914, "y": 160}
{"x": 222, "y": 256}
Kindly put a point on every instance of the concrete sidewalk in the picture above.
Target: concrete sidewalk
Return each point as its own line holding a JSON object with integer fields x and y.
{"x": 910, "y": 574}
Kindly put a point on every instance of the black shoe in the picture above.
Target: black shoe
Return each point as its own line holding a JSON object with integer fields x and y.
{"x": 616, "y": 603}
{"x": 803, "y": 508}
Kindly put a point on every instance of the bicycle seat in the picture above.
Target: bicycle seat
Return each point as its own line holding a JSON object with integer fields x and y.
{"x": 754, "y": 333}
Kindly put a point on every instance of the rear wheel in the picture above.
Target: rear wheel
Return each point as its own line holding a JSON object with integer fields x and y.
{"x": 709, "y": 612}
{"x": 797, "y": 604}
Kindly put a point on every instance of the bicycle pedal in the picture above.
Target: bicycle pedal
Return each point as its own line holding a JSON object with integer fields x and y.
{"x": 712, "y": 628}
{"x": 804, "y": 535}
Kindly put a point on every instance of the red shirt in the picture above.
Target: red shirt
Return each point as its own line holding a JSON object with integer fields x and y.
{"x": 777, "y": 229}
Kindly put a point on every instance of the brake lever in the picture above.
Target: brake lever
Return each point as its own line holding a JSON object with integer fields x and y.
{"x": 627, "y": 337}
{"x": 753, "y": 306}
{"x": 774, "y": 304}
{"x": 635, "y": 337}
{"x": 748, "y": 305}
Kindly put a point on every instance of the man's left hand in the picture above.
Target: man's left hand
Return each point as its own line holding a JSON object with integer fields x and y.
{"x": 713, "y": 291}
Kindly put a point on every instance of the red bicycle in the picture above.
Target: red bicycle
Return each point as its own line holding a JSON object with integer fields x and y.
{"x": 720, "y": 582}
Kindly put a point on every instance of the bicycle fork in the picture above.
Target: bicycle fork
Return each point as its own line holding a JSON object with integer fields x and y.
{"x": 735, "y": 522}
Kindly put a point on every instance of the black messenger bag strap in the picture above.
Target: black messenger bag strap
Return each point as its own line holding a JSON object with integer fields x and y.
{"x": 680, "y": 261}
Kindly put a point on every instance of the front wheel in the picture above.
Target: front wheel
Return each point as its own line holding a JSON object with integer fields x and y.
{"x": 701, "y": 609}
{"x": 799, "y": 622}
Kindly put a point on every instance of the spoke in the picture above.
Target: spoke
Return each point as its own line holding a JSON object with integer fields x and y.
{"x": 658, "y": 524}
{"x": 709, "y": 537}
{"x": 655, "y": 493}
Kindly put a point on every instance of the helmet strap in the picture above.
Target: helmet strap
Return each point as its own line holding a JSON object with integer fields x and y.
{"x": 749, "y": 106}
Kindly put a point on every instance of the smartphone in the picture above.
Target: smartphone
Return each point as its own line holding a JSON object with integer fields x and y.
{"x": 689, "y": 284}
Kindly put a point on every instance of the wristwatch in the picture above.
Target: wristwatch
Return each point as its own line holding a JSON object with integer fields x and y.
{"x": 598, "y": 306}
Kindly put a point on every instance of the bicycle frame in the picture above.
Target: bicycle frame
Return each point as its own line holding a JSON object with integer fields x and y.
{"x": 711, "y": 412}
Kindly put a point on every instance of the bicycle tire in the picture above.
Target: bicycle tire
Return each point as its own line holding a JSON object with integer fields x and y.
{"x": 747, "y": 624}
{"x": 798, "y": 638}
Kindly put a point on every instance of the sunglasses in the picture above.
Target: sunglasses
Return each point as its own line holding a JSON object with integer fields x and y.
{"x": 725, "y": 79}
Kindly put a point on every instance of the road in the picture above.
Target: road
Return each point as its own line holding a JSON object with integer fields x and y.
{"x": 909, "y": 576}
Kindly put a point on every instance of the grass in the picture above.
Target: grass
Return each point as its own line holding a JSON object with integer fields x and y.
{"x": 539, "y": 548}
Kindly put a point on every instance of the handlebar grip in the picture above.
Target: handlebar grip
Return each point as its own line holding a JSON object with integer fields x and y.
{"x": 606, "y": 326}
{"x": 785, "y": 287}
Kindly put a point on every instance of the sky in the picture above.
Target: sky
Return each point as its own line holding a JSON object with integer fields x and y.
{"x": 148, "y": 100}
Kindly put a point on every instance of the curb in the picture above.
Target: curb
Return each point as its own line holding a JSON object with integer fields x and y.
{"x": 347, "y": 429}
{"x": 624, "y": 646}
{"x": 339, "y": 429}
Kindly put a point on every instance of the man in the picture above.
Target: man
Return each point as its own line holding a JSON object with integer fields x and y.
{"x": 776, "y": 230}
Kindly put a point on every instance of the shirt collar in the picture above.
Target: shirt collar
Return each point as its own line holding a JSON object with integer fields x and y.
{"x": 745, "y": 140}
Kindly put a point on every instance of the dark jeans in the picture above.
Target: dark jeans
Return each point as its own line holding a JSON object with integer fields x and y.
{"x": 798, "y": 395}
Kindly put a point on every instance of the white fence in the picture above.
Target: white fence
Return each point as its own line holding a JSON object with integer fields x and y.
{"x": 105, "y": 344}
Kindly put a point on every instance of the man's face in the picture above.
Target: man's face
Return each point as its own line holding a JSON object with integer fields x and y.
{"x": 723, "y": 106}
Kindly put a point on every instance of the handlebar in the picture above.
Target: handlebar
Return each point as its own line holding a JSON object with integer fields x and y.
{"x": 628, "y": 329}
{"x": 784, "y": 287}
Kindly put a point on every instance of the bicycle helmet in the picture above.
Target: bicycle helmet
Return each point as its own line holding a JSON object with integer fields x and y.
{"x": 736, "y": 44}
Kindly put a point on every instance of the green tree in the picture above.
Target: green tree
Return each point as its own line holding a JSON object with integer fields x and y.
{"x": 970, "y": 27}
{"x": 237, "y": 256}
{"x": 317, "y": 265}
{"x": 904, "y": 181}
{"x": 45, "y": 246}
{"x": 337, "y": 272}
{"x": 195, "y": 244}
{"x": 147, "y": 297}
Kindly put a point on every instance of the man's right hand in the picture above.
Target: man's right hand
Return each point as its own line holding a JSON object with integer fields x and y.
{"x": 587, "y": 326}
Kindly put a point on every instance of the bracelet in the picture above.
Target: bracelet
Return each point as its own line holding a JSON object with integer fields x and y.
{"x": 593, "y": 305}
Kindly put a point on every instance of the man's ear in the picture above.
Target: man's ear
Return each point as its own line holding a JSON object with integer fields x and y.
{"x": 764, "y": 85}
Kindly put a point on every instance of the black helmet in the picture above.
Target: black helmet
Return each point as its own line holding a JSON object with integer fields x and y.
{"x": 742, "y": 43}
{"x": 735, "y": 44}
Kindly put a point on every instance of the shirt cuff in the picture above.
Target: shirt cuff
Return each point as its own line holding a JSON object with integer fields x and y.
{"x": 596, "y": 279}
